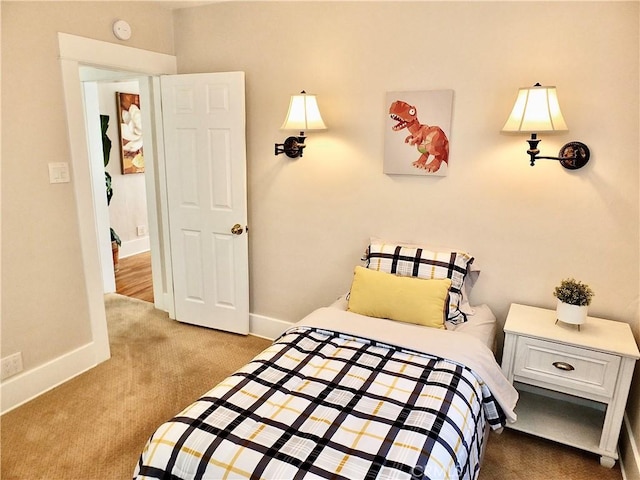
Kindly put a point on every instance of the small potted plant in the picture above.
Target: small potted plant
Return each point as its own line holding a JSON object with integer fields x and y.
{"x": 574, "y": 298}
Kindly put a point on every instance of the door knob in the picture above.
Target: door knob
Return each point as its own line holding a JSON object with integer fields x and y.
{"x": 237, "y": 229}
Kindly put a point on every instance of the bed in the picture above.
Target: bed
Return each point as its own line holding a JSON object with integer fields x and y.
{"x": 347, "y": 394}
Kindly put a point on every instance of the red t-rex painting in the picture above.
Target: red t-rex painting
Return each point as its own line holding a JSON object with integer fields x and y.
{"x": 430, "y": 141}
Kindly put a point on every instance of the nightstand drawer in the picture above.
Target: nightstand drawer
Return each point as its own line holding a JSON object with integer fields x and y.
{"x": 559, "y": 367}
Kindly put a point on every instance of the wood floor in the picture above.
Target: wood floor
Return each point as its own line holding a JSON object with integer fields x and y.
{"x": 133, "y": 277}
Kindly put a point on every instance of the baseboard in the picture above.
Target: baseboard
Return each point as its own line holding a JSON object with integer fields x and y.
{"x": 266, "y": 327}
{"x": 629, "y": 453}
{"x": 21, "y": 388}
{"x": 134, "y": 247}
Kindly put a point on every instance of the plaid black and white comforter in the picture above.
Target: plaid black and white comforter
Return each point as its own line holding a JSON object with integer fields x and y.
{"x": 322, "y": 404}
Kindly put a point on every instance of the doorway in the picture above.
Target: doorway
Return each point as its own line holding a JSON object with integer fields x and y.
{"x": 218, "y": 147}
{"x": 126, "y": 268}
{"x": 76, "y": 52}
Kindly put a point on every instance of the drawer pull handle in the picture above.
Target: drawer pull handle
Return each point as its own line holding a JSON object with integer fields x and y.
{"x": 567, "y": 367}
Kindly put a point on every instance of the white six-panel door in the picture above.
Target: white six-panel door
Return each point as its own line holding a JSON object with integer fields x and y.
{"x": 204, "y": 134}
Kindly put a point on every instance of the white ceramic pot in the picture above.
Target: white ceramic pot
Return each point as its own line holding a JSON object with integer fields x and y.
{"x": 573, "y": 314}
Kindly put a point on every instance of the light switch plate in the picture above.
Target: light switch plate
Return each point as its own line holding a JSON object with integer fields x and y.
{"x": 59, "y": 172}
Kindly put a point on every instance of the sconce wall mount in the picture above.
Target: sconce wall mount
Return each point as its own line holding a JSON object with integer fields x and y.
{"x": 537, "y": 110}
{"x": 292, "y": 147}
{"x": 303, "y": 114}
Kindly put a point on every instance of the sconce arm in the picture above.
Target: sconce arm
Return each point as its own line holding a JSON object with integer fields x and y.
{"x": 572, "y": 156}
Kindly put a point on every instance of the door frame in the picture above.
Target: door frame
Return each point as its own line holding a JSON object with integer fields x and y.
{"x": 76, "y": 52}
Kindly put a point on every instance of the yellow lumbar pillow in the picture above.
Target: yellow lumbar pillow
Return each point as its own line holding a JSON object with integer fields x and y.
{"x": 405, "y": 299}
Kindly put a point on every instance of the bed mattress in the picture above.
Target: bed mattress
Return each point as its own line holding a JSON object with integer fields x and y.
{"x": 334, "y": 399}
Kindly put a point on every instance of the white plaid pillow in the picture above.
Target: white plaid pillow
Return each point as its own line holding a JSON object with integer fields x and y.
{"x": 415, "y": 261}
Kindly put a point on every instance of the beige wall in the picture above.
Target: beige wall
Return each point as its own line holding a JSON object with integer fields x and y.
{"x": 310, "y": 219}
{"x": 528, "y": 227}
{"x": 44, "y": 304}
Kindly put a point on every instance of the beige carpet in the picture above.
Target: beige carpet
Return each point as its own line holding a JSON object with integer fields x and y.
{"x": 517, "y": 456}
{"x": 94, "y": 426}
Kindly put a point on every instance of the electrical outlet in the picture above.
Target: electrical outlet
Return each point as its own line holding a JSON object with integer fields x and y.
{"x": 11, "y": 365}
{"x": 141, "y": 230}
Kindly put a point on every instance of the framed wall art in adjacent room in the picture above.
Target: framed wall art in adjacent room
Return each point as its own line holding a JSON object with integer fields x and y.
{"x": 130, "y": 127}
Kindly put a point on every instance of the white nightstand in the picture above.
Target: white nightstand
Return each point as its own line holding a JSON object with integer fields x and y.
{"x": 573, "y": 384}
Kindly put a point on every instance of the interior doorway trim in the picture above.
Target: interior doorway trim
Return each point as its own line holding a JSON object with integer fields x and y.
{"x": 76, "y": 52}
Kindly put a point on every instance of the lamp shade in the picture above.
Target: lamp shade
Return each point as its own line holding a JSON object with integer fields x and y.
{"x": 536, "y": 110}
{"x": 303, "y": 114}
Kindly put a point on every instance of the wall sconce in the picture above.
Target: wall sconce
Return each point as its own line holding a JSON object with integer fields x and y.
{"x": 303, "y": 114}
{"x": 537, "y": 110}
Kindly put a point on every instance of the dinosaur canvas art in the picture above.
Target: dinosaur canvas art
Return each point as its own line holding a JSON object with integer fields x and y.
{"x": 424, "y": 118}
{"x": 430, "y": 141}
